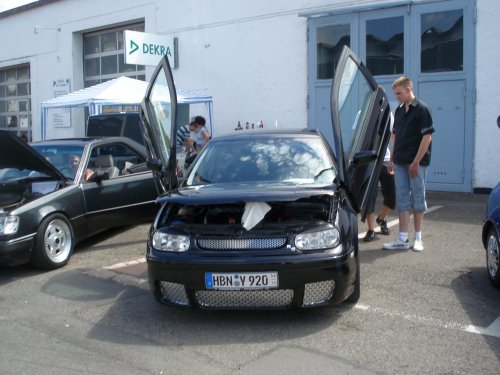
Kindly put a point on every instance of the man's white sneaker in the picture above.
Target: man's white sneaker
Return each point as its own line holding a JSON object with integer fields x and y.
{"x": 418, "y": 245}
{"x": 397, "y": 245}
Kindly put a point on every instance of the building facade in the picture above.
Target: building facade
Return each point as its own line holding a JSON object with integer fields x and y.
{"x": 271, "y": 62}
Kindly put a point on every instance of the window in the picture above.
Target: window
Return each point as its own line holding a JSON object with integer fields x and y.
{"x": 15, "y": 100}
{"x": 330, "y": 40}
{"x": 385, "y": 45}
{"x": 279, "y": 160}
{"x": 119, "y": 158}
{"x": 104, "y": 56}
{"x": 442, "y": 41}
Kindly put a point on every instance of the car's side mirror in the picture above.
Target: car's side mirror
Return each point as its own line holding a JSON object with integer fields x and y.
{"x": 364, "y": 157}
{"x": 154, "y": 165}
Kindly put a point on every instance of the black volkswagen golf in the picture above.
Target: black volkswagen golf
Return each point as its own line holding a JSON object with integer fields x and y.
{"x": 265, "y": 219}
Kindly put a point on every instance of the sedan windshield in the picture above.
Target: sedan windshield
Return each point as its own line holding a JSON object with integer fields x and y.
{"x": 66, "y": 158}
{"x": 287, "y": 160}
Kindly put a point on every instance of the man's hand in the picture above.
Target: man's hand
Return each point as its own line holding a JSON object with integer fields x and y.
{"x": 390, "y": 168}
{"x": 189, "y": 143}
{"x": 413, "y": 169}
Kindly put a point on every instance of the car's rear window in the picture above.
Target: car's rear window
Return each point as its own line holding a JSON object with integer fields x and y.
{"x": 284, "y": 160}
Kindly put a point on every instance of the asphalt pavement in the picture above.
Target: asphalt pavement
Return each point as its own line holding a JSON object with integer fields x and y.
{"x": 433, "y": 312}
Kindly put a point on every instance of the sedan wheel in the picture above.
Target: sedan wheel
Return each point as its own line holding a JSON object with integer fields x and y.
{"x": 54, "y": 244}
{"x": 493, "y": 258}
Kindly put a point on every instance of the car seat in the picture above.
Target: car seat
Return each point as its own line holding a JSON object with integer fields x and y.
{"x": 104, "y": 163}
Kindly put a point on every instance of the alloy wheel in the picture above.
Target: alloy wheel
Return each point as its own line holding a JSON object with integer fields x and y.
{"x": 57, "y": 241}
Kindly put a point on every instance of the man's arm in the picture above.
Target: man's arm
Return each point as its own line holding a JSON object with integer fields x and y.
{"x": 391, "y": 163}
{"x": 422, "y": 149}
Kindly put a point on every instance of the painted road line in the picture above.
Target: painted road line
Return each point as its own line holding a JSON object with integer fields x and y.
{"x": 126, "y": 264}
{"x": 492, "y": 330}
{"x": 395, "y": 222}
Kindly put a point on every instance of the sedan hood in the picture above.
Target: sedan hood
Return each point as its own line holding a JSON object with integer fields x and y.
{"x": 14, "y": 153}
{"x": 234, "y": 193}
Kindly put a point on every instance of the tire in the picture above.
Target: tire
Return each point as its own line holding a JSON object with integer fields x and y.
{"x": 54, "y": 243}
{"x": 493, "y": 257}
{"x": 354, "y": 297}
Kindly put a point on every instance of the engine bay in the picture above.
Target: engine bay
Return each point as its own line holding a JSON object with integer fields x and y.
{"x": 18, "y": 192}
{"x": 302, "y": 212}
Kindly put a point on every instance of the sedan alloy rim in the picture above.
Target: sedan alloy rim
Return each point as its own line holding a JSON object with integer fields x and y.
{"x": 57, "y": 240}
{"x": 493, "y": 255}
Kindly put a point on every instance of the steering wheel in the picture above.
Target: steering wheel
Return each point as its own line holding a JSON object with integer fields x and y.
{"x": 67, "y": 172}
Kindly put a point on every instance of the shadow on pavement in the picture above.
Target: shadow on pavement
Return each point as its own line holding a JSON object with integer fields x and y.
{"x": 139, "y": 318}
{"x": 473, "y": 288}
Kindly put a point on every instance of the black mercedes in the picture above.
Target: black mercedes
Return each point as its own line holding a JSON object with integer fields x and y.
{"x": 265, "y": 219}
{"x": 57, "y": 192}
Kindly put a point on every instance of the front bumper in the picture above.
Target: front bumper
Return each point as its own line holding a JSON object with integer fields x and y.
{"x": 305, "y": 280}
{"x": 16, "y": 251}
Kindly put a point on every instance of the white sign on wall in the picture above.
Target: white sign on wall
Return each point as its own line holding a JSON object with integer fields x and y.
{"x": 61, "y": 117}
{"x": 147, "y": 49}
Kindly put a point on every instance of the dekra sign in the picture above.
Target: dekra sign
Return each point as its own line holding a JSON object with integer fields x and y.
{"x": 156, "y": 49}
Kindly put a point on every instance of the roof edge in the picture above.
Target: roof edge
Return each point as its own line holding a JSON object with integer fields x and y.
{"x": 25, "y": 7}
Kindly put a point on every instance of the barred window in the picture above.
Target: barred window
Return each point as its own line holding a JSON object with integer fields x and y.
{"x": 15, "y": 100}
{"x": 104, "y": 58}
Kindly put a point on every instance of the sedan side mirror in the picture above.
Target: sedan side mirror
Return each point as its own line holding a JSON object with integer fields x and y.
{"x": 154, "y": 165}
{"x": 364, "y": 157}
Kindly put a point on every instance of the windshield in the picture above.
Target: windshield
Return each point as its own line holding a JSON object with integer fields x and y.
{"x": 284, "y": 160}
{"x": 65, "y": 158}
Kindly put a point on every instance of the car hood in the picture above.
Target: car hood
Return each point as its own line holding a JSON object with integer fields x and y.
{"x": 235, "y": 193}
{"x": 14, "y": 153}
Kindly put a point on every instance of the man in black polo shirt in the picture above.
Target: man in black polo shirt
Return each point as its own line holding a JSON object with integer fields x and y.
{"x": 411, "y": 137}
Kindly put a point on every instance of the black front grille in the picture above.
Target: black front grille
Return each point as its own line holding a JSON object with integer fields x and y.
{"x": 242, "y": 243}
{"x": 248, "y": 299}
{"x": 315, "y": 294}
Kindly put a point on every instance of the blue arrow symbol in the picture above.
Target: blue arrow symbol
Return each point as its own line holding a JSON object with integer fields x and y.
{"x": 134, "y": 47}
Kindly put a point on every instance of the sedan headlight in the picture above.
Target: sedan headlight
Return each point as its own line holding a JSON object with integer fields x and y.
{"x": 9, "y": 224}
{"x": 176, "y": 243}
{"x": 324, "y": 239}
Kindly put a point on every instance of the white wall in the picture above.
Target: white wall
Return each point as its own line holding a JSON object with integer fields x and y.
{"x": 251, "y": 57}
{"x": 254, "y": 67}
{"x": 487, "y": 142}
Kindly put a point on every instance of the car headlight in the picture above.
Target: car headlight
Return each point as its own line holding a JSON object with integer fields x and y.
{"x": 324, "y": 239}
{"x": 176, "y": 243}
{"x": 9, "y": 224}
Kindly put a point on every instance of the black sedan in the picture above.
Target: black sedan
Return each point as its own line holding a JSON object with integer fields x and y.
{"x": 58, "y": 192}
{"x": 266, "y": 219}
{"x": 491, "y": 235}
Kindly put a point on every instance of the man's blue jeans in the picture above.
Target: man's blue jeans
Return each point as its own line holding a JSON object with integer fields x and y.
{"x": 410, "y": 191}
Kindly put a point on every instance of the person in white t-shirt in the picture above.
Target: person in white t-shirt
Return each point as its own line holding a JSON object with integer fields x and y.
{"x": 388, "y": 188}
{"x": 200, "y": 134}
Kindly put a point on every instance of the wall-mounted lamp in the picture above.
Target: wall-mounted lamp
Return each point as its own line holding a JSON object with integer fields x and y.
{"x": 38, "y": 28}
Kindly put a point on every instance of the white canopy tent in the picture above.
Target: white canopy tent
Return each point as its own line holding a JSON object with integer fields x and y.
{"x": 118, "y": 91}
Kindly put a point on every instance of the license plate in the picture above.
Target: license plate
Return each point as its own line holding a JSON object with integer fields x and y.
{"x": 241, "y": 281}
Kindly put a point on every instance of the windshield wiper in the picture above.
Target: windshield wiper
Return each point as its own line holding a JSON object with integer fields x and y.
{"x": 321, "y": 172}
{"x": 200, "y": 178}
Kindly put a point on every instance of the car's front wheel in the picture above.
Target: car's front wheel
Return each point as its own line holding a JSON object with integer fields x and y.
{"x": 493, "y": 258}
{"x": 54, "y": 243}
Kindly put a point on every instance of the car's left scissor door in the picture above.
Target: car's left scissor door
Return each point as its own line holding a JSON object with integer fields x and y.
{"x": 360, "y": 117}
{"x": 158, "y": 115}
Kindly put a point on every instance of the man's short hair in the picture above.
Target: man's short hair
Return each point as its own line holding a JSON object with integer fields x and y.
{"x": 402, "y": 81}
{"x": 200, "y": 120}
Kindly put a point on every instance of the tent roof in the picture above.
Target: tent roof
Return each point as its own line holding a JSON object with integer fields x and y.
{"x": 118, "y": 91}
